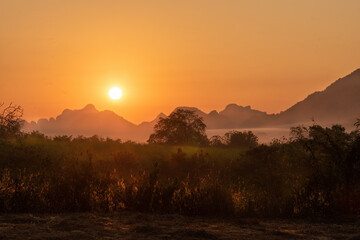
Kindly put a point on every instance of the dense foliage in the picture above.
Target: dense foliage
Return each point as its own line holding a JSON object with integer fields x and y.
{"x": 182, "y": 127}
{"x": 235, "y": 139}
{"x": 316, "y": 172}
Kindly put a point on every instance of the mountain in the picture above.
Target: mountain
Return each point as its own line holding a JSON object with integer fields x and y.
{"x": 87, "y": 121}
{"x": 337, "y": 104}
{"x": 233, "y": 116}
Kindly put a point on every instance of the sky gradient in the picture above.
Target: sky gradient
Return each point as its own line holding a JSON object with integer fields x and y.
{"x": 204, "y": 53}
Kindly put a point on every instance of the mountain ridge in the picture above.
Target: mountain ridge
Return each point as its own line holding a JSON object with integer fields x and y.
{"x": 334, "y": 104}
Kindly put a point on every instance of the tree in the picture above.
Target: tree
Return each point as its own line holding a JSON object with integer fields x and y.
{"x": 217, "y": 141}
{"x": 357, "y": 123}
{"x": 333, "y": 155}
{"x": 10, "y": 120}
{"x": 182, "y": 127}
{"x": 241, "y": 139}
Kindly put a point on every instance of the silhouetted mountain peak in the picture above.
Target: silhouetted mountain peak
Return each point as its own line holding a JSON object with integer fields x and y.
{"x": 160, "y": 115}
{"x": 188, "y": 108}
{"x": 235, "y": 107}
{"x": 66, "y": 111}
{"x": 194, "y": 109}
{"x": 232, "y": 106}
{"x": 334, "y": 104}
{"x": 89, "y": 108}
{"x": 351, "y": 80}
{"x": 356, "y": 72}
{"x": 213, "y": 113}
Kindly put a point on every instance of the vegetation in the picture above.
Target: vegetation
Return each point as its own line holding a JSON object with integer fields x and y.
{"x": 316, "y": 172}
{"x": 235, "y": 139}
{"x": 10, "y": 120}
{"x": 182, "y": 127}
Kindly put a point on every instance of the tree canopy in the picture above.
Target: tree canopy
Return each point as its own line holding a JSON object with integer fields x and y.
{"x": 245, "y": 139}
{"x": 181, "y": 127}
{"x": 10, "y": 120}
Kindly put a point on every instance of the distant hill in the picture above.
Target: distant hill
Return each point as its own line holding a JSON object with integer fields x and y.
{"x": 338, "y": 103}
{"x": 233, "y": 116}
{"x": 87, "y": 121}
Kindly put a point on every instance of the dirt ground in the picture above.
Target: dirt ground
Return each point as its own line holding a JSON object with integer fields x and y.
{"x": 150, "y": 226}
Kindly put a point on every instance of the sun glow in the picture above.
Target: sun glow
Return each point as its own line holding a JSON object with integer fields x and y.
{"x": 115, "y": 93}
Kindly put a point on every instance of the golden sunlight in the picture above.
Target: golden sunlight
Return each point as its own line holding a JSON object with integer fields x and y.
{"x": 115, "y": 93}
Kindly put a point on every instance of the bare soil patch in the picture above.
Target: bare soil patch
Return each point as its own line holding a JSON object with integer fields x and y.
{"x": 128, "y": 225}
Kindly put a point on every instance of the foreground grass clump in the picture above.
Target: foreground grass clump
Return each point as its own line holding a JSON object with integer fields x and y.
{"x": 316, "y": 173}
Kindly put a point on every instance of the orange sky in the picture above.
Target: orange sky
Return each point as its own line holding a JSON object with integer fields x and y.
{"x": 268, "y": 54}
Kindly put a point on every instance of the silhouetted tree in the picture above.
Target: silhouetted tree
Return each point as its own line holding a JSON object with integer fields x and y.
{"x": 241, "y": 139}
{"x": 334, "y": 160}
{"x": 63, "y": 138}
{"x": 182, "y": 127}
{"x": 10, "y": 120}
{"x": 357, "y": 123}
{"x": 217, "y": 141}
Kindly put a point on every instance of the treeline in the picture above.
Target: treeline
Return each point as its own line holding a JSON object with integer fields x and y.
{"x": 184, "y": 127}
{"x": 314, "y": 173}
{"x": 317, "y": 172}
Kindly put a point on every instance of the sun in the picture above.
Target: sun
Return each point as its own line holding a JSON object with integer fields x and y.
{"x": 115, "y": 93}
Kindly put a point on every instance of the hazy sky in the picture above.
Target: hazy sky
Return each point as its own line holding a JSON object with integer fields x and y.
{"x": 57, "y": 54}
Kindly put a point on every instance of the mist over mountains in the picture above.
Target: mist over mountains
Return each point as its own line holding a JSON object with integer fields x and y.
{"x": 339, "y": 103}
